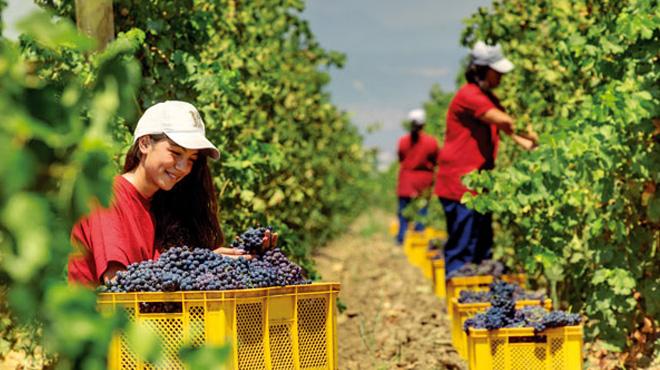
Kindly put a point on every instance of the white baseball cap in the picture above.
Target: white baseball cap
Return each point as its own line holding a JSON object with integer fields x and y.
{"x": 487, "y": 55}
{"x": 180, "y": 121}
{"x": 418, "y": 116}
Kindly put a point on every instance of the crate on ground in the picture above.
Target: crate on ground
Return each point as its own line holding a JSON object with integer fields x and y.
{"x": 522, "y": 349}
{"x": 393, "y": 228}
{"x": 291, "y": 327}
{"x": 427, "y": 268}
{"x": 417, "y": 255}
{"x": 439, "y": 287}
{"x": 433, "y": 233}
{"x": 463, "y": 311}
{"x": 412, "y": 240}
{"x": 479, "y": 283}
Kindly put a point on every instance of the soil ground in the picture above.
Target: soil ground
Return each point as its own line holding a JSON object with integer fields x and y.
{"x": 392, "y": 318}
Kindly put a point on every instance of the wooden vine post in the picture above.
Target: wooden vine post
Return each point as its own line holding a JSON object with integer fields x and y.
{"x": 94, "y": 18}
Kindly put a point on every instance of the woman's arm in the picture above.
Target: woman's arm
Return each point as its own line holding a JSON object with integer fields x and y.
{"x": 500, "y": 119}
{"x": 506, "y": 123}
{"x": 232, "y": 253}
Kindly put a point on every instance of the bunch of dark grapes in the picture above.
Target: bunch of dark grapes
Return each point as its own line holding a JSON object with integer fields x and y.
{"x": 287, "y": 272}
{"x": 502, "y": 304}
{"x": 519, "y": 294}
{"x": 138, "y": 277}
{"x": 473, "y": 296}
{"x": 540, "y": 319}
{"x": 186, "y": 269}
{"x": 486, "y": 267}
{"x": 251, "y": 240}
{"x": 530, "y": 316}
{"x": 556, "y": 319}
{"x": 502, "y": 313}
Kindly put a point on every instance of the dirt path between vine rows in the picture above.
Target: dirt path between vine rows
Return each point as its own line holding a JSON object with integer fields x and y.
{"x": 392, "y": 319}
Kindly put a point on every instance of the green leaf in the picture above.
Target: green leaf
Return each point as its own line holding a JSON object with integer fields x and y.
{"x": 145, "y": 341}
{"x": 207, "y": 357}
{"x": 26, "y": 216}
{"x": 54, "y": 34}
{"x": 653, "y": 208}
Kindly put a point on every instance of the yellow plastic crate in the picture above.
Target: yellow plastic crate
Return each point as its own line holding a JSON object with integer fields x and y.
{"x": 394, "y": 228}
{"x": 479, "y": 283}
{"x": 427, "y": 267}
{"x": 417, "y": 255}
{"x": 291, "y": 327}
{"x": 521, "y": 349}
{"x": 463, "y": 311}
{"x": 439, "y": 287}
{"x": 413, "y": 238}
{"x": 432, "y": 233}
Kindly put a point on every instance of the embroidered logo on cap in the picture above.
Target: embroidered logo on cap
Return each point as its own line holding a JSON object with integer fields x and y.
{"x": 197, "y": 120}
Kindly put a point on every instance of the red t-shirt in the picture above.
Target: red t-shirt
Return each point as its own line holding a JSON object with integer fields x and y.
{"x": 417, "y": 164}
{"x": 123, "y": 233}
{"x": 470, "y": 144}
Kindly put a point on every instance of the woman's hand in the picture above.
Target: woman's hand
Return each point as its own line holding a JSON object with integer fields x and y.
{"x": 232, "y": 253}
{"x": 111, "y": 271}
{"x": 270, "y": 240}
{"x": 525, "y": 142}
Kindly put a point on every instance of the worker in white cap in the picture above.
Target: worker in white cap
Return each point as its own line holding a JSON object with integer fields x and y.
{"x": 417, "y": 158}
{"x": 475, "y": 119}
{"x": 165, "y": 197}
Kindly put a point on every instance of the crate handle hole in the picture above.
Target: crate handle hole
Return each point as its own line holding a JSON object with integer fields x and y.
{"x": 160, "y": 307}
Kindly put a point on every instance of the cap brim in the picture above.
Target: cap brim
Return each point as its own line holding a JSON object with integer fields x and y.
{"x": 502, "y": 66}
{"x": 194, "y": 140}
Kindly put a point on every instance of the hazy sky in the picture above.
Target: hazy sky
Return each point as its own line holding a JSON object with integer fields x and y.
{"x": 395, "y": 51}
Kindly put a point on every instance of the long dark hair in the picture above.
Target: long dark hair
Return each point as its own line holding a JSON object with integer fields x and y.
{"x": 188, "y": 213}
{"x": 415, "y": 129}
{"x": 475, "y": 73}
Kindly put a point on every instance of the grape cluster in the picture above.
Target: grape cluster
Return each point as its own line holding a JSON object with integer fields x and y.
{"x": 473, "y": 296}
{"x": 539, "y": 319}
{"x": 502, "y": 313}
{"x": 486, "y": 267}
{"x": 251, "y": 240}
{"x": 519, "y": 294}
{"x": 189, "y": 269}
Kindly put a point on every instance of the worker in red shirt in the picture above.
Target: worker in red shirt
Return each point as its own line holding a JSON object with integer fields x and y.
{"x": 417, "y": 158}
{"x": 165, "y": 197}
{"x": 475, "y": 119}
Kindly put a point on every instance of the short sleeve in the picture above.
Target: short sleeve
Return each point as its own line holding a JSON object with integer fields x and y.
{"x": 107, "y": 238}
{"x": 402, "y": 143}
{"x": 475, "y": 102}
{"x": 402, "y": 147}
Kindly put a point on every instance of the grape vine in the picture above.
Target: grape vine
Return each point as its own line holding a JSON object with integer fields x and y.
{"x": 583, "y": 208}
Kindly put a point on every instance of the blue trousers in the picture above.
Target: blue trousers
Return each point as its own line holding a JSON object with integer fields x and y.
{"x": 403, "y": 222}
{"x": 470, "y": 235}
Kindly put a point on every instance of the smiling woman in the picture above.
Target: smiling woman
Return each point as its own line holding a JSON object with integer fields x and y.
{"x": 165, "y": 197}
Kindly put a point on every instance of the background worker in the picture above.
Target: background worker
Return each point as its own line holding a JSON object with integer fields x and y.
{"x": 417, "y": 159}
{"x": 475, "y": 119}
